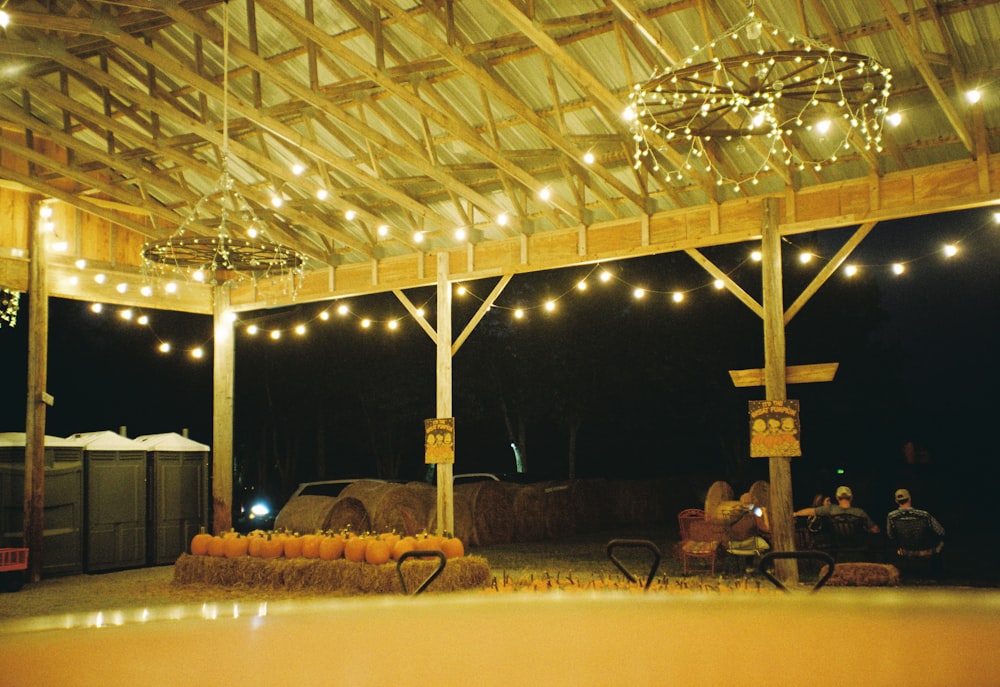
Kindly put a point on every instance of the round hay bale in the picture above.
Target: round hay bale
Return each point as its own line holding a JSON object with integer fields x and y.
{"x": 462, "y": 512}
{"x": 347, "y": 513}
{"x": 592, "y": 499}
{"x": 557, "y": 510}
{"x": 717, "y": 493}
{"x": 393, "y": 506}
{"x": 492, "y": 512}
{"x": 630, "y": 501}
{"x": 760, "y": 493}
{"x": 304, "y": 513}
{"x": 402, "y": 506}
{"x": 527, "y": 505}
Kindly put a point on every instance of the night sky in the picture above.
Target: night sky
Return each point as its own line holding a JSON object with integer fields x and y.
{"x": 645, "y": 382}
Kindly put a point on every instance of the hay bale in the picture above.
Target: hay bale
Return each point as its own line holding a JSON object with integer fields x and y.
{"x": 527, "y": 506}
{"x": 491, "y": 510}
{"x": 863, "y": 575}
{"x": 593, "y": 502}
{"x": 717, "y": 493}
{"x": 338, "y": 577}
{"x": 347, "y": 512}
{"x": 462, "y": 512}
{"x": 557, "y": 510}
{"x": 306, "y": 513}
{"x": 393, "y": 506}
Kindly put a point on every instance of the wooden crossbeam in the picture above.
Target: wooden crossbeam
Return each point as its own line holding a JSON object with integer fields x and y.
{"x": 794, "y": 374}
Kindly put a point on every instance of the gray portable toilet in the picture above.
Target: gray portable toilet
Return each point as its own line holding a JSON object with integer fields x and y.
{"x": 177, "y": 493}
{"x": 62, "y": 534}
{"x": 114, "y": 488}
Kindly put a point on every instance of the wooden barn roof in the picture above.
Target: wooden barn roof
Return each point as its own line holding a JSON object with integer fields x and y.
{"x": 425, "y": 117}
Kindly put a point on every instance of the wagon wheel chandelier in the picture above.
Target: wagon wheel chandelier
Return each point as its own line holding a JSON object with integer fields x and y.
{"x": 222, "y": 257}
{"x": 802, "y": 107}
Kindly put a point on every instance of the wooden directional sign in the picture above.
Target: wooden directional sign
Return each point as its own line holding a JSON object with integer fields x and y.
{"x": 794, "y": 374}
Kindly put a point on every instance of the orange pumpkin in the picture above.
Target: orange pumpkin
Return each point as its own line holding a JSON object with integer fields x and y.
{"x": 199, "y": 543}
{"x": 428, "y": 542}
{"x": 378, "y": 551}
{"x": 331, "y": 547}
{"x": 355, "y": 547}
{"x": 404, "y": 545}
{"x": 293, "y": 545}
{"x": 255, "y": 541}
{"x": 452, "y": 547}
{"x": 271, "y": 547}
{"x": 235, "y": 547}
{"x": 217, "y": 546}
{"x": 310, "y": 545}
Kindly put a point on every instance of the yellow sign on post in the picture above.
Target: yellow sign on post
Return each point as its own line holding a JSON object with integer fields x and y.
{"x": 774, "y": 429}
{"x": 439, "y": 440}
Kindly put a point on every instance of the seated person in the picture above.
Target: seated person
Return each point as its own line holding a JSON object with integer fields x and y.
{"x": 748, "y": 531}
{"x": 844, "y": 506}
{"x": 915, "y": 532}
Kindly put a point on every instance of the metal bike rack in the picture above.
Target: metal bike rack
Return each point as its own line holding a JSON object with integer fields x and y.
{"x": 766, "y": 560}
{"x": 635, "y": 544}
{"x": 442, "y": 559}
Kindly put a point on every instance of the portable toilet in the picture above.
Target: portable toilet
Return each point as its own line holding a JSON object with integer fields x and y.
{"x": 114, "y": 487}
{"x": 62, "y": 534}
{"x": 177, "y": 493}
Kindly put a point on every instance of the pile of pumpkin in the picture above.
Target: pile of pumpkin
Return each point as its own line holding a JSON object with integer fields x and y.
{"x": 369, "y": 547}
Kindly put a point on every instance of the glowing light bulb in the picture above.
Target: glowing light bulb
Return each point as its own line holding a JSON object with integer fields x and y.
{"x": 252, "y": 329}
{"x": 605, "y": 276}
{"x": 164, "y": 347}
{"x": 950, "y": 250}
{"x": 393, "y": 324}
{"x": 325, "y": 315}
{"x": 350, "y": 215}
{"x": 80, "y": 264}
{"x": 677, "y": 296}
{"x": 973, "y": 96}
{"x": 550, "y": 306}
{"x": 805, "y": 258}
{"x": 545, "y": 194}
{"x": 322, "y": 194}
{"x": 199, "y": 275}
{"x": 460, "y": 290}
{"x": 588, "y": 158}
{"x": 126, "y": 314}
{"x": 366, "y": 323}
{"x": 420, "y": 312}
{"x": 418, "y": 237}
{"x": 298, "y": 168}
{"x": 519, "y": 313}
{"x": 638, "y": 293}
{"x": 383, "y": 230}
{"x": 96, "y": 307}
{"x": 275, "y": 334}
{"x": 503, "y": 219}
{"x": 143, "y": 320}
{"x": 894, "y": 119}
{"x": 171, "y": 287}
{"x": 343, "y": 309}
{"x": 460, "y": 234}
{"x": 756, "y": 256}
{"x": 99, "y": 278}
{"x": 898, "y": 268}
{"x": 719, "y": 284}
{"x": 277, "y": 201}
{"x": 146, "y": 291}
{"x": 300, "y": 329}
{"x": 198, "y": 353}
{"x": 581, "y": 285}
{"x": 121, "y": 288}
{"x": 851, "y": 270}
{"x": 45, "y": 212}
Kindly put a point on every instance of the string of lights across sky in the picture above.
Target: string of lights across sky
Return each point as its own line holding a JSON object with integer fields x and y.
{"x": 599, "y": 276}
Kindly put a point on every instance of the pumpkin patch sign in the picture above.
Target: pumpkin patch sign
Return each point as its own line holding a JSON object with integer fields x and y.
{"x": 439, "y": 440}
{"x": 774, "y": 429}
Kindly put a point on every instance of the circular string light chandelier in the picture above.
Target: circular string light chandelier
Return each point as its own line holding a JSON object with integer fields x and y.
{"x": 222, "y": 257}
{"x": 802, "y": 107}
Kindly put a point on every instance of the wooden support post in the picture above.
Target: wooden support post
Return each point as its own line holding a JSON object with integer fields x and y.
{"x": 34, "y": 420}
{"x": 782, "y": 522}
{"x": 222, "y": 412}
{"x": 445, "y": 472}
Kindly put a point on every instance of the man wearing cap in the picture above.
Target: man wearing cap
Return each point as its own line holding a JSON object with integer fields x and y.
{"x": 916, "y": 532}
{"x": 844, "y": 506}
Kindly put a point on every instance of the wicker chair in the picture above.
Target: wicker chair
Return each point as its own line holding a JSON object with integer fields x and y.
{"x": 698, "y": 538}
